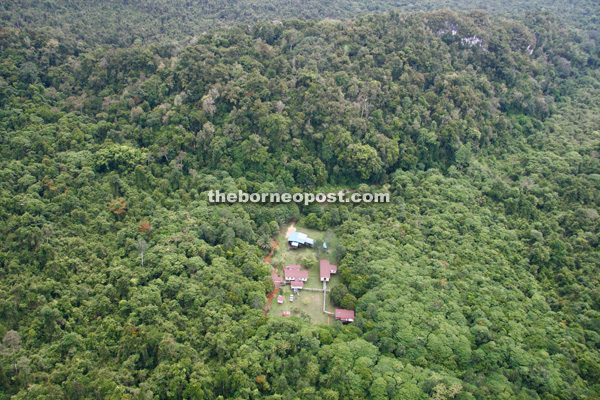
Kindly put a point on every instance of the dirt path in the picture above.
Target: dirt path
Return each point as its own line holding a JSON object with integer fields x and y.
{"x": 267, "y": 259}
{"x": 290, "y": 229}
{"x": 277, "y": 280}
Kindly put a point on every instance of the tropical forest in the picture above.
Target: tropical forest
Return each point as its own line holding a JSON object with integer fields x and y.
{"x": 120, "y": 278}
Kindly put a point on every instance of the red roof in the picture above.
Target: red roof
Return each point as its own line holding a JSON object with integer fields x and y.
{"x": 344, "y": 315}
{"x": 324, "y": 271}
{"x": 325, "y": 264}
{"x": 292, "y": 274}
{"x": 286, "y": 313}
{"x": 280, "y": 299}
{"x": 298, "y": 285}
{"x": 293, "y": 267}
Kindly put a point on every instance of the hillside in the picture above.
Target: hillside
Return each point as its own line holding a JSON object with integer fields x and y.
{"x": 121, "y": 22}
{"x": 478, "y": 281}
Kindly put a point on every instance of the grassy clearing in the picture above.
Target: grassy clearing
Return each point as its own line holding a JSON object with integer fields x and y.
{"x": 282, "y": 257}
{"x": 308, "y": 302}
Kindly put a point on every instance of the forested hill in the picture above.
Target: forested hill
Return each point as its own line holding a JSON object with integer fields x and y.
{"x": 479, "y": 280}
{"x": 121, "y": 22}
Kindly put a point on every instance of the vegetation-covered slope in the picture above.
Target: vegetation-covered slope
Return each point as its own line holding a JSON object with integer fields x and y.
{"x": 478, "y": 281}
{"x": 121, "y": 22}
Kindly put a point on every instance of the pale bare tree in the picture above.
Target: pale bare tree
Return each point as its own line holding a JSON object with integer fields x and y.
{"x": 141, "y": 246}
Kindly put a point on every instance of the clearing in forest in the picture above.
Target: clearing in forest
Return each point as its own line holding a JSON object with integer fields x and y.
{"x": 306, "y": 301}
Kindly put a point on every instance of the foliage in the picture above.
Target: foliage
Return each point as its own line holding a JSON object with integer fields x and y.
{"x": 479, "y": 279}
{"x": 126, "y": 23}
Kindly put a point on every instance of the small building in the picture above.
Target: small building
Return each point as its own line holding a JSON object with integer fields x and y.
{"x": 280, "y": 299}
{"x": 298, "y": 239}
{"x": 297, "y": 285}
{"x": 326, "y": 269}
{"x": 286, "y": 313}
{"x": 344, "y": 315}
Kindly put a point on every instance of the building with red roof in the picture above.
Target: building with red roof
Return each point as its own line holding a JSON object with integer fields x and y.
{"x": 295, "y": 274}
{"x": 280, "y": 299}
{"x": 326, "y": 269}
{"x": 297, "y": 285}
{"x": 344, "y": 315}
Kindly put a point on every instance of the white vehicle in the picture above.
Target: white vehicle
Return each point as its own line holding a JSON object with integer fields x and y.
{"x": 291, "y": 297}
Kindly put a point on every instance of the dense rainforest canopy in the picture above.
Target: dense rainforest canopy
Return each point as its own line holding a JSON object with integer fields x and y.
{"x": 118, "y": 280}
{"x": 122, "y": 22}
